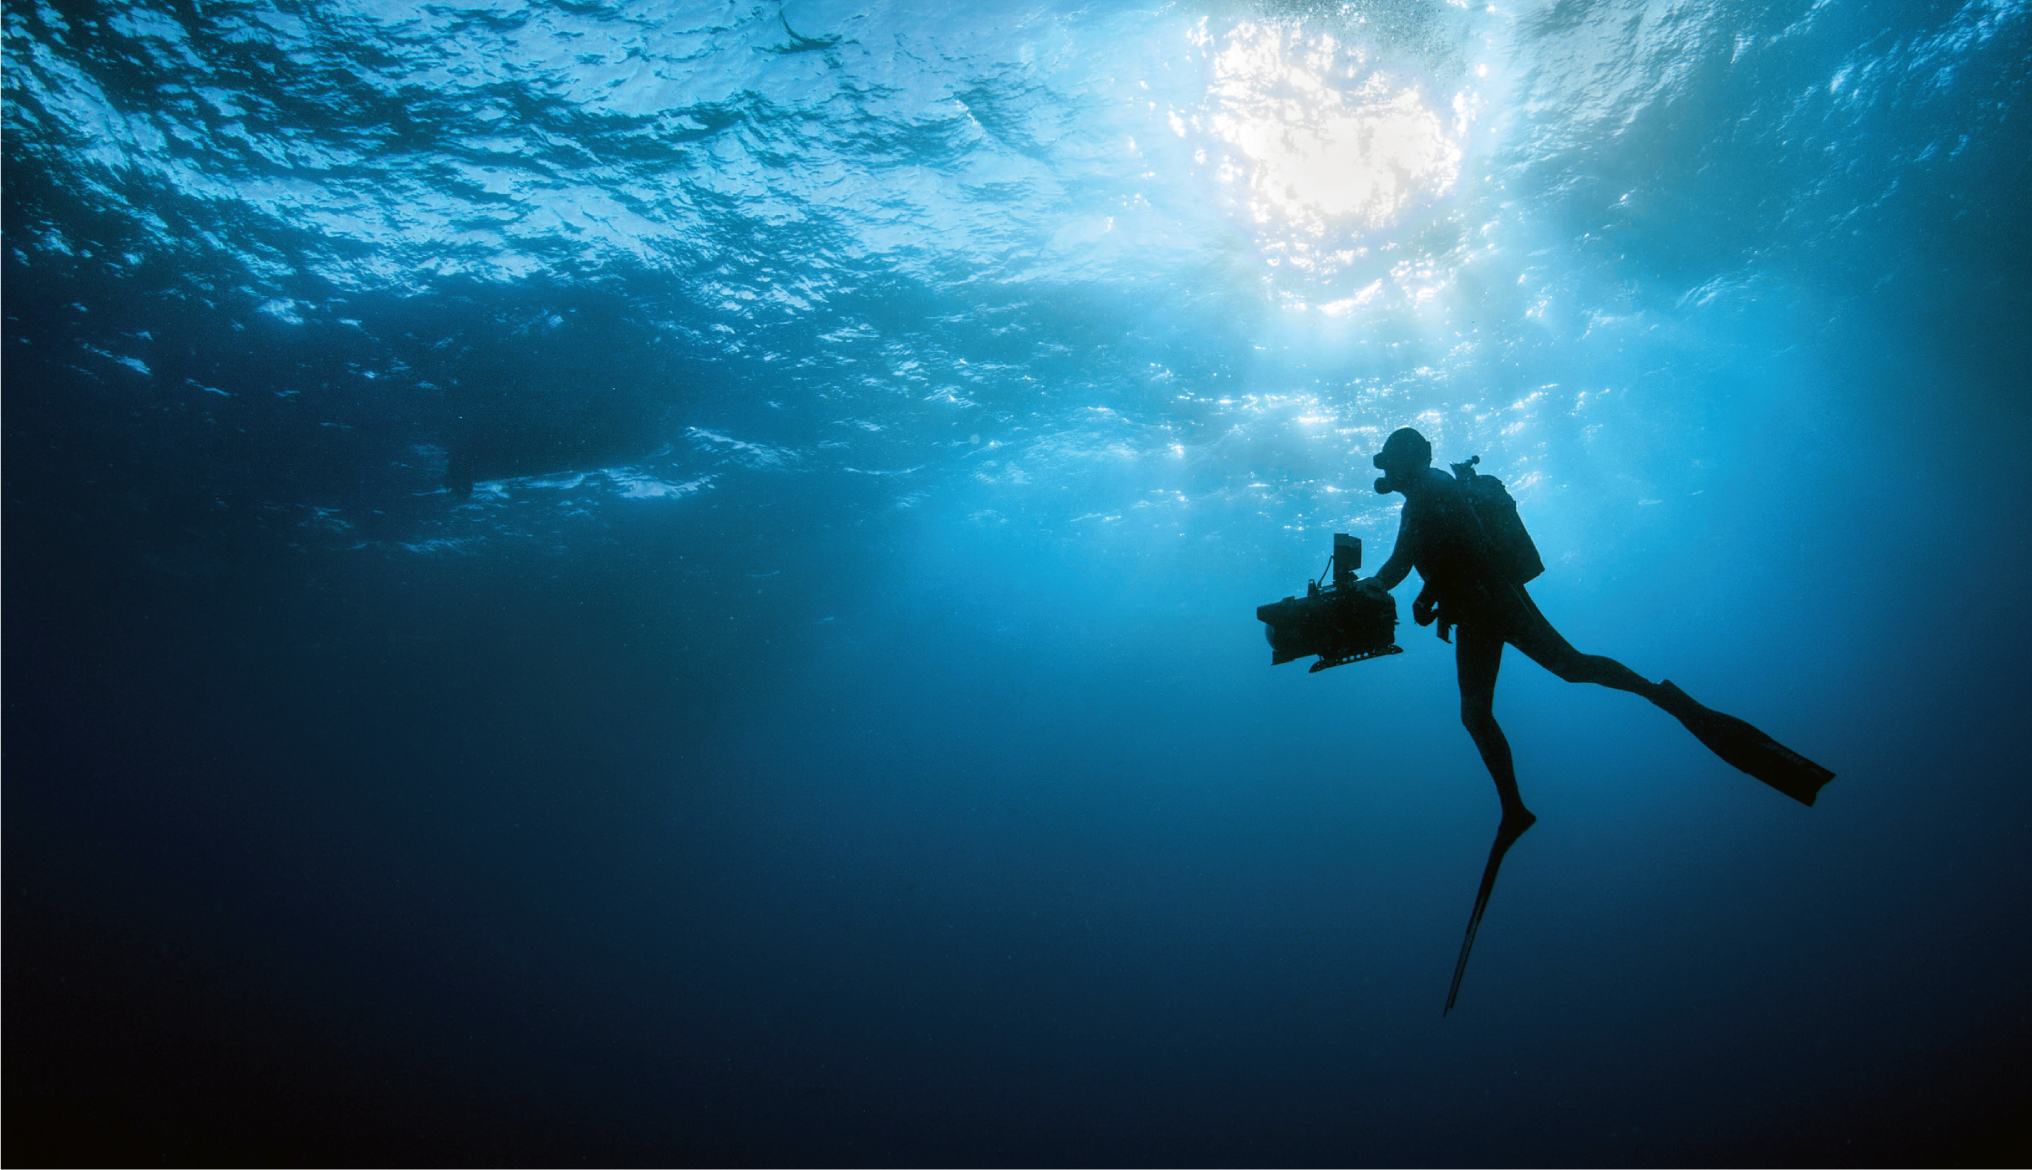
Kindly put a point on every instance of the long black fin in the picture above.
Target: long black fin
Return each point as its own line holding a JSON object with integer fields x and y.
{"x": 1506, "y": 836}
{"x": 1745, "y": 747}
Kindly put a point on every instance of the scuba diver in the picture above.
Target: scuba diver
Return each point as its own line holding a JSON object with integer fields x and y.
{"x": 1462, "y": 534}
{"x": 1474, "y": 557}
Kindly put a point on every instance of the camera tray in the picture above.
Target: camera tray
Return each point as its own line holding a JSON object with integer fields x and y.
{"x": 1323, "y": 663}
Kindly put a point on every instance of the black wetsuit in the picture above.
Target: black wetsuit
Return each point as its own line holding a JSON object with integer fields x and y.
{"x": 1446, "y": 544}
{"x": 1440, "y": 536}
{"x": 1463, "y": 583}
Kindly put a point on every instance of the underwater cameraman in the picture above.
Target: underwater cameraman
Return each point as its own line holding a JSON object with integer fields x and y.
{"x": 1474, "y": 558}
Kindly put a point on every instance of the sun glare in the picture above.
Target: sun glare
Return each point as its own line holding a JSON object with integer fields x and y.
{"x": 1324, "y": 143}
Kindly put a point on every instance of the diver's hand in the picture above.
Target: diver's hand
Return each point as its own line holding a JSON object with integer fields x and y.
{"x": 1373, "y": 586}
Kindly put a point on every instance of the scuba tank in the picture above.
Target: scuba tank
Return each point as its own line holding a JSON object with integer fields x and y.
{"x": 1510, "y": 549}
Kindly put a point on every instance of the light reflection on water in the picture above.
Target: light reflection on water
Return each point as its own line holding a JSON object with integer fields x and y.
{"x": 1328, "y": 143}
{"x": 991, "y": 252}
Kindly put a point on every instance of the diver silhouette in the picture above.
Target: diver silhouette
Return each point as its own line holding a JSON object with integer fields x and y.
{"x": 1474, "y": 584}
{"x": 1462, "y": 535}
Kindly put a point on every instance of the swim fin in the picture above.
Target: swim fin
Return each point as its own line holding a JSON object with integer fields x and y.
{"x": 1507, "y": 833}
{"x": 1742, "y": 745}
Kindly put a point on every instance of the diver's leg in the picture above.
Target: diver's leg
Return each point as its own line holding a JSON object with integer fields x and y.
{"x": 1530, "y": 632}
{"x": 1478, "y": 655}
{"x": 1733, "y": 740}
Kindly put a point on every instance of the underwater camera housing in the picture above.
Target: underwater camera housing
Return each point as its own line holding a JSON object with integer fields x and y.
{"x": 1340, "y": 623}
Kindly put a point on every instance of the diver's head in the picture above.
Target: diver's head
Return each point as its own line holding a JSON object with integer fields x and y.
{"x": 1404, "y": 454}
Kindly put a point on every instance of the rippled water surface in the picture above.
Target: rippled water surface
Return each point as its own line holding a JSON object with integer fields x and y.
{"x": 674, "y": 582}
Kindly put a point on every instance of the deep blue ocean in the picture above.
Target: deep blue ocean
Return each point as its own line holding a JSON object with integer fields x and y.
{"x": 642, "y": 583}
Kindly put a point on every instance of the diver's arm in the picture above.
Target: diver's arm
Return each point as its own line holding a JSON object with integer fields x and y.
{"x": 1398, "y": 566}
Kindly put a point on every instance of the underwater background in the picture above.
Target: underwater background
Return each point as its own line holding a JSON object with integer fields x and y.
{"x": 674, "y": 583}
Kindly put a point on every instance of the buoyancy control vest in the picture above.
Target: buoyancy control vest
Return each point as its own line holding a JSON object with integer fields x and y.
{"x": 1508, "y": 547}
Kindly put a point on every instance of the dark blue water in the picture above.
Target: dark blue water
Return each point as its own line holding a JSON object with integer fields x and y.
{"x": 651, "y": 583}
